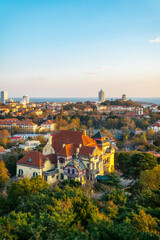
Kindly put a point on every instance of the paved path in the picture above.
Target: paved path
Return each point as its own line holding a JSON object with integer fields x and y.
{"x": 125, "y": 183}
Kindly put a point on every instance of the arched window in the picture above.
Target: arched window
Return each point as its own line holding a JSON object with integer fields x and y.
{"x": 62, "y": 176}
{"x": 61, "y": 160}
{"x": 20, "y": 172}
{"x": 35, "y": 174}
{"x": 68, "y": 170}
{"x": 72, "y": 171}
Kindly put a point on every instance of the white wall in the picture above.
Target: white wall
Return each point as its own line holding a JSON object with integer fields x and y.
{"x": 28, "y": 171}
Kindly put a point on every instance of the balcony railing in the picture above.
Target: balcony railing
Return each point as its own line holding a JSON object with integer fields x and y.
{"x": 93, "y": 171}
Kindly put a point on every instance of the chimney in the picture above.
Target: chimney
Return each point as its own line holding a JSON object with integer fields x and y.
{"x": 50, "y": 139}
{"x": 77, "y": 152}
{"x": 63, "y": 145}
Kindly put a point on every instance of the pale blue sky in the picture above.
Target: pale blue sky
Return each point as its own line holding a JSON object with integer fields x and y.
{"x": 60, "y": 48}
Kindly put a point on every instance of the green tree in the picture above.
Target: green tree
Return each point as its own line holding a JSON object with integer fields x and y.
{"x": 84, "y": 209}
{"x": 19, "y": 191}
{"x": 132, "y": 164}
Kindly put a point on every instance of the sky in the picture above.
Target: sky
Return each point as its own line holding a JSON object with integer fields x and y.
{"x": 74, "y": 48}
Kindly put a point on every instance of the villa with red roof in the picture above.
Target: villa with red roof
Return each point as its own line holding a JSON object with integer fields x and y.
{"x": 155, "y": 126}
{"x": 69, "y": 154}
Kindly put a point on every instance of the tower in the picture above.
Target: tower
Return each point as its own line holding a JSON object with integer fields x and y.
{"x": 25, "y": 99}
{"x": 3, "y": 97}
{"x": 140, "y": 111}
{"x": 124, "y": 98}
{"x": 101, "y": 96}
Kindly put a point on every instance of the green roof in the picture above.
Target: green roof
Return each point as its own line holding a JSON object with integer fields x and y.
{"x": 102, "y": 178}
{"x": 78, "y": 164}
{"x": 99, "y": 134}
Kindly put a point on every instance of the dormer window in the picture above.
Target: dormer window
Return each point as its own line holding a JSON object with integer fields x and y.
{"x": 29, "y": 160}
{"x": 68, "y": 170}
{"x": 72, "y": 171}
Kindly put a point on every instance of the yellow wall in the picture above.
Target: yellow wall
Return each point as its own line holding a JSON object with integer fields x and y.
{"x": 47, "y": 165}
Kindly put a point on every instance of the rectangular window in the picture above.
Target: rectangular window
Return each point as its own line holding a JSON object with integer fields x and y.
{"x": 45, "y": 178}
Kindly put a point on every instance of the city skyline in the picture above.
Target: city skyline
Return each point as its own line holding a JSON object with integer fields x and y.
{"x": 74, "y": 49}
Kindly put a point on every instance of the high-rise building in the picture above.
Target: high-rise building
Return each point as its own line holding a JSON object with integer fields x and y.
{"x": 140, "y": 111}
{"x": 124, "y": 98}
{"x": 25, "y": 99}
{"x": 101, "y": 96}
{"x": 3, "y": 96}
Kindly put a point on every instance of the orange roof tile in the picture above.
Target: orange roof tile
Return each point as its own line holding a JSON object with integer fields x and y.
{"x": 2, "y": 150}
{"x": 67, "y": 150}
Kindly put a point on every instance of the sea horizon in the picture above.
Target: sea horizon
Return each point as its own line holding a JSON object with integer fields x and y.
{"x": 154, "y": 100}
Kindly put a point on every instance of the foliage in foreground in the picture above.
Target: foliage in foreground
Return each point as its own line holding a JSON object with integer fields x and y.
{"x": 36, "y": 211}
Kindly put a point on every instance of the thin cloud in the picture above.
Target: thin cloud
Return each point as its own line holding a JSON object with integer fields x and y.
{"x": 156, "y": 40}
{"x": 93, "y": 73}
{"x": 39, "y": 78}
{"x": 102, "y": 67}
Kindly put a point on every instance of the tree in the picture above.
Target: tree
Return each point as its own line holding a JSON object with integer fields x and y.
{"x": 4, "y": 175}
{"x": 150, "y": 179}
{"x": 150, "y": 134}
{"x": 15, "y": 129}
{"x": 4, "y": 133}
{"x": 84, "y": 209}
{"x": 41, "y": 139}
{"x": 3, "y": 141}
{"x": 141, "y": 162}
{"x": 144, "y": 222}
{"x": 19, "y": 191}
{"x": 112, "y": 180}
{"x": 10, "y": 162}
{"x": 132, "y": 164}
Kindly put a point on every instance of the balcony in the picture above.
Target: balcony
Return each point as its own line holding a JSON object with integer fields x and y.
{"x": 71, "y": 175}
{"x": 93, "y": 171}
{"x": 50, "y": 172}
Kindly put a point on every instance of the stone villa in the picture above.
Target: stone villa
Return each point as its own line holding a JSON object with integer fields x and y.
{"x": 69, "y": 154}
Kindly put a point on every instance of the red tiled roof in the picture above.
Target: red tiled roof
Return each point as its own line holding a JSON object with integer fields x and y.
{"x": 157, "y": 124}
{"x": 71, "y": 137}
{"x": 48, "y": 122}
{"x": 33, "y": 158}
{"x": 67, "y": 150}
{"x": 2, "y": 150}
{"x": 27, "y": 123}
{"x": 9, "y": 121}
{"x": 52, "y": 157}
{"x": 68, "y": 137}
{"x": 85, "y": 150}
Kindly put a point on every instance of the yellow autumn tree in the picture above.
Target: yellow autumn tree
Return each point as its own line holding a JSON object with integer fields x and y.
{"x": 150, "y": 179}
{"x": 144, "y": 222}
{"x": 4, "y": 175}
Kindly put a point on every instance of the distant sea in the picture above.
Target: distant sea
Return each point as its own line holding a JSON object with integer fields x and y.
{"x": 83, "y": 99}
